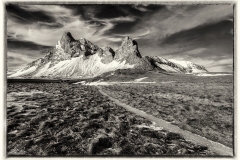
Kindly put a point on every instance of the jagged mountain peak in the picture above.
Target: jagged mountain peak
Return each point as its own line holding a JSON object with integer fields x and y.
{"x": 128, "y": 42}
{"x": 67, "y": 36}
{"x": 128, "y": 51}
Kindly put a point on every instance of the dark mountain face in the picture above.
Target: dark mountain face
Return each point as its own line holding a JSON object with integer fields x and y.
{"x": 77, "y": 48}
{"x": 107, "y": 55}
{"x": 128, "y": 51}
{"x": 73, "y": 58}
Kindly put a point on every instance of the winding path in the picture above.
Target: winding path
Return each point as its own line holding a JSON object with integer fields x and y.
{"x": 218, "y": 148}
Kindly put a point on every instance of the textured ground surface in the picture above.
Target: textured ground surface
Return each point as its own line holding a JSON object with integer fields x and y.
{"x": 54, "y": 119}
{"x": 202, "y": 105}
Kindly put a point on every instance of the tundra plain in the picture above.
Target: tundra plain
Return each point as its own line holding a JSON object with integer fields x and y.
{"x": 74, "y": 119}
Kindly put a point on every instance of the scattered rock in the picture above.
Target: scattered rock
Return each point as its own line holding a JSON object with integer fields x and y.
{"x": 99, "y": 143}
{"x": 173, "y": 136}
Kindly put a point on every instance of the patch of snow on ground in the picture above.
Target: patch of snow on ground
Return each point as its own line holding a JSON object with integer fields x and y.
{"x": 206, "y": 74}
{"x": 99, "y": 83}
{"x": 82, "y": 82}
{"x": 18, "y": 104}
{"x": 168, "y": 82}
{"x": 26, "y": 93}
{"x": 150, "y": 127}
{"x": 140, "y": 79}
{"x": 112, "y": 83}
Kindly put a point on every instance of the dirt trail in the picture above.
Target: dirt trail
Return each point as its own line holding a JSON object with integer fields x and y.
{"x": 214, "y": 146}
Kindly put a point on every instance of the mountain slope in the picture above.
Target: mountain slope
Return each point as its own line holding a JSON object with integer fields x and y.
{"x": 189, "y": 66}
{"x": 80, "y": 58}
{"x": 177, "y": 66}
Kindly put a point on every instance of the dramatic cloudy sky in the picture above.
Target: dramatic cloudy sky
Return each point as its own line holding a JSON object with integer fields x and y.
{"x": 202, "y": 34}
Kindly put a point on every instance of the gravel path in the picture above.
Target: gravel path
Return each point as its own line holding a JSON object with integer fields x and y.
{"x": 214, "y": 146}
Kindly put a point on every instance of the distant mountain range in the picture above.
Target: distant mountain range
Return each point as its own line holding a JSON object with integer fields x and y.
{"x": 81, "y": 59}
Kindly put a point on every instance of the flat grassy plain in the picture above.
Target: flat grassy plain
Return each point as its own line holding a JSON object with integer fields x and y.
{"x": 202, "y": 105}
{"x": 61, "y": 119}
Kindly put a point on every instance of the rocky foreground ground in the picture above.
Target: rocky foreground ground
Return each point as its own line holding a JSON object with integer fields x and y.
{"x": 54, "y": 119}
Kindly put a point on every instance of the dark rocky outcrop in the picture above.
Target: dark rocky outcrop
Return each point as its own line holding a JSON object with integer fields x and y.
{"x": 128, "y": 51}
{"x": 155, "y": 60}
{"x": 66, "y": 41}
{"x": 99, "y": 143}
{"x": 107, "y": 55}
{"x": 77, "y": 48}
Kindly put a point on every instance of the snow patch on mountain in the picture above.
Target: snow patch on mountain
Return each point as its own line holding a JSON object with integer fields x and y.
{"x": 184, "y": 64}
{"x": 23, "y": 72}
{"x": 42, "y": 70}
{"x": 175, "y": 66}
{"x": 168, "y": 68}
{"x": 189, "y": 66}
{"x": 75, "y": 68}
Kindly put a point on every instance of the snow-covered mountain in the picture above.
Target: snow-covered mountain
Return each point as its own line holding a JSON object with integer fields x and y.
{"x": 173, "y": 65}
{"x": 72, "y": 58}
{"x": 189, "y": 66}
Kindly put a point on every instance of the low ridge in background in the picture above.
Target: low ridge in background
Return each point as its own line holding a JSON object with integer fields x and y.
{"x": 80, "y": 58}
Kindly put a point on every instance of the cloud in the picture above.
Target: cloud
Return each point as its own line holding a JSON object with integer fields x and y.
{"x": 20, "y": 15}
{"x": 200, "y": 33}
{"x": 49, "y": 35}
{"x": 215, "y": 38}
{"x": 136, "y": 35}
{"x": 14, "y": 44}
{"x": 196, "y": 51}
{"x": 141, "y": 8}
{"x": 182, "y": 17}
{"x": 109, "y": 11}
{"x": 16, "y": 59}
{"x": 64, "y": 21}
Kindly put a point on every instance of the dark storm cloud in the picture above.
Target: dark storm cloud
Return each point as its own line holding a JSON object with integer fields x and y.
{"x": 25, "y": 16}
{"x": 21, "y": 14}
{"x": 50, "y": 25}
{"x": 123, "y": 10}
{"x": 13, "y": 44}
{"x": 96, "y": 13}
{"x": 84, "y": 11}
{"x": 110, "y": 11}
{"x": 122, "y": 27}
{"x": 136, "y": 11}
{"x": 203, "y": 32}
{"x": 11, "y": 58}
{"x": 217, "y": 38}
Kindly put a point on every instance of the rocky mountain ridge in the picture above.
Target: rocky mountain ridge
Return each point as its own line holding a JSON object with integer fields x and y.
{"x": 73, "y": 58}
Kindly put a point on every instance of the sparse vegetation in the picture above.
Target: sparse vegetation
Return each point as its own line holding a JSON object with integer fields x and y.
{"x": 202, "y": 105}
{"x": 75, "y": 120}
